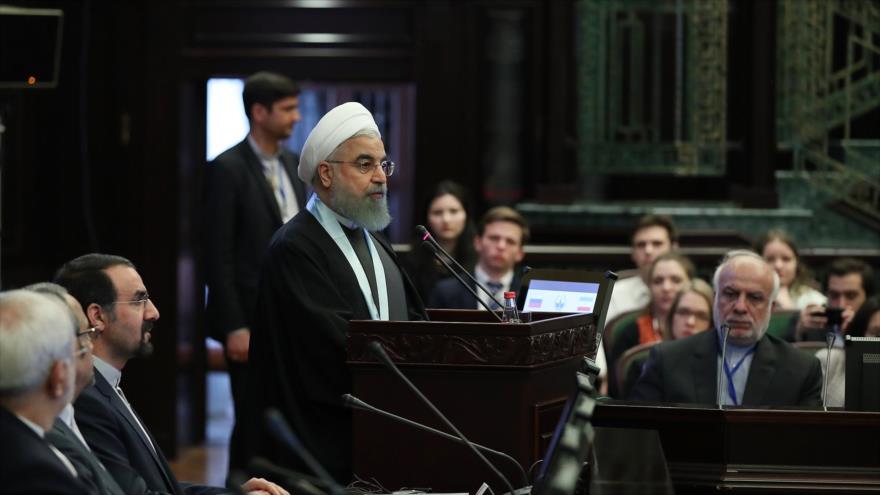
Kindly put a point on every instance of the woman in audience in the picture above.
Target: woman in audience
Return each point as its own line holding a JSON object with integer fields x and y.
{"x": 691, "y": 313}
{"x": 865, "y": 323}
{"x": 669, "y": 272}
{"x": 447, "y": 216}
{"x": 796, "y": 289}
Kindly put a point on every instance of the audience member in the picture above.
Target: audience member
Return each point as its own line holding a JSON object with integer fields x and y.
{"x": 653, "y": 236}
{"x": 501, "y": 235}
{"x": 666, "y": 276}
{"x": 796, "y": 289}
{"x": 690, "y": 313}
{"x": 117, "y": 304}
{"x": 848, "y": 283}
{"x": 251, "y": 189}
{"x": 759, "y": 369}
{"x": 65, "y": 434}
{"x": 865, "y": 323}
{"x": 448, "y": 217}
{"x": 37, "y": 374}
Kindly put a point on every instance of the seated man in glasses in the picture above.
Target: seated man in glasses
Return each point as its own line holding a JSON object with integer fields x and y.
{"x": 65, "y": 434}
{"x": 325, "y": 267}
{"x": 37, "y": 354}
{"x": 117, "y": 304}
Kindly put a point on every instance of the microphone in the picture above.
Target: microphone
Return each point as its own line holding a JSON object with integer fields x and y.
{"x": 379, "y": 351}
{"x": 355, "y": 403}
{"x": 277, "y": 425}
{"x": 435, "y": 247}
{"x": 302, "y": 483}
{"x": 725, "y": 328}
{"x": 830, "y": 337}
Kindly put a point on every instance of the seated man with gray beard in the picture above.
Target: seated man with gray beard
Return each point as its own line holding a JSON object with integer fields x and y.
{"x": 760, "y": 370}
{"x": 328, "y": 265}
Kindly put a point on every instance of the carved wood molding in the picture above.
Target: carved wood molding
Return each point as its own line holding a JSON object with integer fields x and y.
{"x": 477, "y": 350}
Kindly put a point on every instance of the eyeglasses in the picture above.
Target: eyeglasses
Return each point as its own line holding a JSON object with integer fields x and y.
{"x": 367, "y": 166}
{"x": 141, "y": 300}
{"x": 92, "y": 333}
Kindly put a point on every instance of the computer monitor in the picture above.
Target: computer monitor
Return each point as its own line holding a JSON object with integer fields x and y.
{"x": 567, "y": 291}
{"x": 862, "y": 373}
{"x": 30, "y": 47}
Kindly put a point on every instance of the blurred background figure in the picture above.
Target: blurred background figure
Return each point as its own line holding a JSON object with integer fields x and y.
{"x": 691, "y": 313}
{"x": 865, "y": 323}
{"x": 448, "y": 216}
{"x": 666, "y": 277}
{"x": 798, "y": 288}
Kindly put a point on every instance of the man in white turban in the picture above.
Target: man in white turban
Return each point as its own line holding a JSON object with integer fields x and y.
{"x": 326, "y": 266}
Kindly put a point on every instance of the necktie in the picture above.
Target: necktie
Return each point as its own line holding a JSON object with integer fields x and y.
{"x": 495, "y": 288}
{"x": 136, "y": 419}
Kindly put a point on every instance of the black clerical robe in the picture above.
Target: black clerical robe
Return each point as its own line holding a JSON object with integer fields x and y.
{"x": 308, "y": 293}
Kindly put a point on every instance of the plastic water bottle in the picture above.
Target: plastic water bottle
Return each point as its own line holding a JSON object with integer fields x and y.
{"x": 511, "y": 315}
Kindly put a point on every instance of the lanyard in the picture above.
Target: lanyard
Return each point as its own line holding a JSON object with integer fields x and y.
{"x": 328, "y": 219}
{"x": 731, "y": 391}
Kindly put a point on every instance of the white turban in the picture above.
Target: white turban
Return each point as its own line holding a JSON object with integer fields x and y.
{"x": 333, "y": 129}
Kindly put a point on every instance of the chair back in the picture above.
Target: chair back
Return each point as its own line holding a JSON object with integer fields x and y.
{"x": 626, "y": 366}
{"x": 781, "y": 323}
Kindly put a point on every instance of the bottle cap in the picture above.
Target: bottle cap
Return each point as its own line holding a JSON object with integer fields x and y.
{"x": 510, "y": 295}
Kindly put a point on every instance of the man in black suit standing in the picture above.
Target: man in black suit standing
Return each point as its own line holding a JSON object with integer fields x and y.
{"x": 501, "y": 235}
{"x": 117, "y": 304}
{"x": 251, "y": 190}
{"x": 759, "y": 369}
{"x": 37, "y": 353}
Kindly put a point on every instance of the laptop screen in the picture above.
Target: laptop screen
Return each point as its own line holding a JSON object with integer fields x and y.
{"x": 561, "y": 296}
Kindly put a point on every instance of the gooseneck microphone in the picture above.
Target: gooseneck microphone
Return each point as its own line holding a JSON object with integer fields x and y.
{"x": 276, "y": 424}
{"x": 435, "y": 247}
{"x": 355, "y": 403}
{"x": 725, "y": 329}
{"x": 830, "y": 337}
{"x": 379, "y": 351}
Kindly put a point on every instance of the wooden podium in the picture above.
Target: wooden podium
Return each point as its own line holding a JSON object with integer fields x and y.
{"x": 503, "y": 385}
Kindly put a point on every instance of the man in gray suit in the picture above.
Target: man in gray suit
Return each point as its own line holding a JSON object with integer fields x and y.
{"x": 759, "y": 369}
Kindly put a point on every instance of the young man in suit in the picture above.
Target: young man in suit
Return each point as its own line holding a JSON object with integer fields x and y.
{"x": 499, "y": 242}
{"x": 251, "y": 190}
{"x": 117, "y": 304}
{"x": 37, "y": 353}
{"x": 760, "y": 369}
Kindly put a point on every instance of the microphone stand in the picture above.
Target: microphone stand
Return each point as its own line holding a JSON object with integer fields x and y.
{"x": 830, "y": 337}
{"x": 355, "y": 403}
{"x": 379, "y": 351}
{"x": 464, "y": 284}
{"x": 428, "y": 238}
{"x": 719, "y": 394}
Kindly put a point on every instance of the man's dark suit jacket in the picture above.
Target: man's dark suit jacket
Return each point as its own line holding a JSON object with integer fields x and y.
{"x": 240, "y": 215}
{"x": 449, "y": 293}
{"x": 90, "y": 470}
{"x": 685, "y": 370}
{"x": 113, "y": 435}
{"x": 28, "y": 465}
